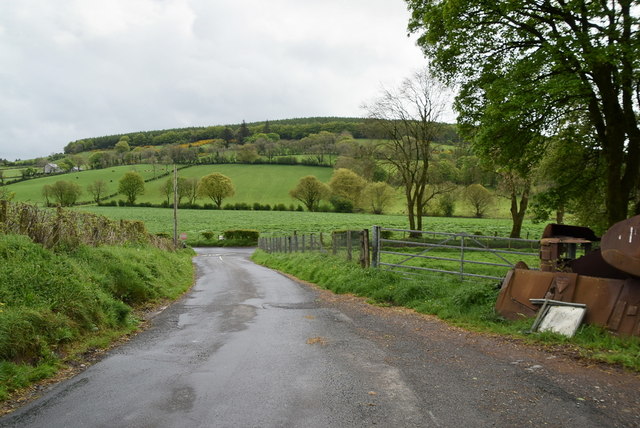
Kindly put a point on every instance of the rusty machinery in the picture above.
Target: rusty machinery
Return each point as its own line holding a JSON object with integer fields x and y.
{"x": 606, "y": 279}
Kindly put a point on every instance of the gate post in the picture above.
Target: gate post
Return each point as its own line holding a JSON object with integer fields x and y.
{"x": 364, "y": 249}
{"x": 462, "y": 256}
{"x": 375, "y": 247}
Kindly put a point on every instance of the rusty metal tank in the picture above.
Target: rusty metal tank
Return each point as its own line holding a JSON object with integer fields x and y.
{"x": 607, "y": 279}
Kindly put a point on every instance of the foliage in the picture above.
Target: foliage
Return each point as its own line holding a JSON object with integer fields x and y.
{"x": 446, "y": 204}
{"x": 216, "y": 186}
{"x": 248, "y": 153}
{"x": 479, "y": 198}
{"x": 131, "y": 185}
{"x": 347, "y": 185}
{"x": 534, "y": 69}
{"x": 53, "y": 301}
{"x": 65, "y": 193}
{"x": 6, "y": 194}
{"x": 247, "y": 234}
{"x": 62, "y": 228}
{"x": 310, "y": 191}
{"x": 378, "y": 196}
{"x": 97, "y": 189}
{"x": 207, "y": 234}
{"x": 184, "y": 189}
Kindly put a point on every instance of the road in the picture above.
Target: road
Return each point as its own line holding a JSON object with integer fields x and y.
{"x": 248, "y": 347}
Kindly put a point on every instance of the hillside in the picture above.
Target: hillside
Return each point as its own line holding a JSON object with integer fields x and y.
{"x": 265, "y": 184}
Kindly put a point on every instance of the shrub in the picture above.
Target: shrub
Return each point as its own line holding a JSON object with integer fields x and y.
{"x": 242, "y": 234}
{"x": 207, "y": 234}
{"x": 259, "y": 207}
{"x": 341, "y": 205}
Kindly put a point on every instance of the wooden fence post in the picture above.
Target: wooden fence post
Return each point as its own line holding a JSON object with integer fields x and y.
{"x": 349, "y": 254}
{"x": 375, "y": 247}
{"x": 364, "y": 248}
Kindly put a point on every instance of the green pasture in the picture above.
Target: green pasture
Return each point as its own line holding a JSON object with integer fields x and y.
{"x": 275, "y": 223}
{"x": 11, "y": 173}
{"x": 31, "y": 190}
{"x": 265, "y": 184}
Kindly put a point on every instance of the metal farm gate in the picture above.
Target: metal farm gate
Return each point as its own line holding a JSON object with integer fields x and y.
{"x": 412, "y": 252}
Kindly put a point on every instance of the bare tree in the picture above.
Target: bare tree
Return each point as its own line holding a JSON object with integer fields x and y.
{"x": 97, "y": 189}
{"x": 408, "y": 117}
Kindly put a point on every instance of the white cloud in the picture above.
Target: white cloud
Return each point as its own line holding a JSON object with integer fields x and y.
{"x": 80, "y": 68}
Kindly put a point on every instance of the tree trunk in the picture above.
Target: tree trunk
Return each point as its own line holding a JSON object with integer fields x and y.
{"x": 560, "y": 215}
{"x": 517, "y": 214}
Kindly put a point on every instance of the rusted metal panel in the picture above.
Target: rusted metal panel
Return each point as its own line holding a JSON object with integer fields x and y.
{"x": 518, "y": 287}
{"x": 606, "y": 280}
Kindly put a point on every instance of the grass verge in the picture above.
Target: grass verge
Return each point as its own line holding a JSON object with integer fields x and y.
{"x": 57, "y": 304}
{"x": 462, "y": 303}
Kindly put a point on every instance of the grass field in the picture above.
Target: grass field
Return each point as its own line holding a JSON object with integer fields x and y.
{"x": 265, "y": 184}
{"x": 31, "y": 190}
{"x": 11, "y": 173}
{"x": 193, "y": 222}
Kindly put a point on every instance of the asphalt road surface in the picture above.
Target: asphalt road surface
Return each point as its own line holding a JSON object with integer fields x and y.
{"x": 248, "y": 347}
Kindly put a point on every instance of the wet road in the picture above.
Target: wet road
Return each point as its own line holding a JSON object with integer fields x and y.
{"x": 248, "y": 347}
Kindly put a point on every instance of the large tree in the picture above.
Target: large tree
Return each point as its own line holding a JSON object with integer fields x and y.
{"x": 545, "y": 62}
{"x": 65, "y": 193}
{"x": 217, "y": 187}
{"x": 310, "y": 191}
{"x": 408, "y": 117}
{"x": 131, "y": 185}
{"x": 346, "y": 185}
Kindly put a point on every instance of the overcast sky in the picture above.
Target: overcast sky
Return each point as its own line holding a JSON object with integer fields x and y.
{"x": 71, "y": 69}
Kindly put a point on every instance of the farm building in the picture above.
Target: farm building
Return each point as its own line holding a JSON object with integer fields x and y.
{"x": 51, "y": 168}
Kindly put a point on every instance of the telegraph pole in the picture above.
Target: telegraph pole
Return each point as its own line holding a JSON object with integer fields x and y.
{"x": 175, "y": 206}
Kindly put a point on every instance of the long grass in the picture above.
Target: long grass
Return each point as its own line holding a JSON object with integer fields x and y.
{"x": 51, "y": 302}
{"x": 469, "y": 304}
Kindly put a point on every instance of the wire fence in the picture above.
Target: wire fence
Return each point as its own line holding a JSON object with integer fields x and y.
{"x": 411, "y": 252}
{"x": 351, "y": 245}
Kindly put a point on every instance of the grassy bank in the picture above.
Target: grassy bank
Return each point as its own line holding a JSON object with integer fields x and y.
{"x": 54, "y": 304}
{"x": 463, "y": 303}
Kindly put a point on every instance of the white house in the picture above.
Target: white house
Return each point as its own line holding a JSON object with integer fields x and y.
{"x": 51, "y": 168}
